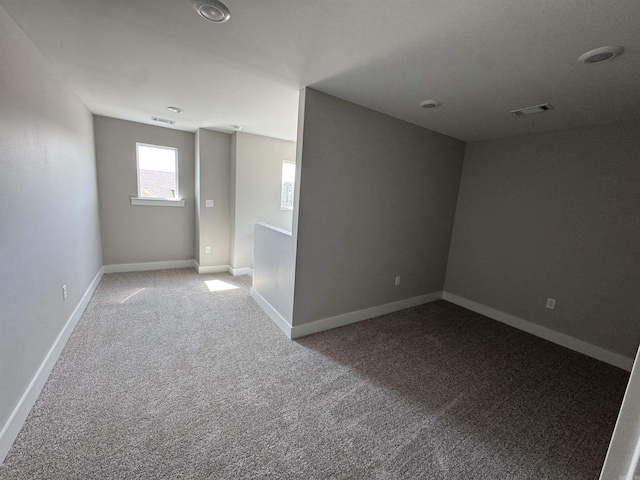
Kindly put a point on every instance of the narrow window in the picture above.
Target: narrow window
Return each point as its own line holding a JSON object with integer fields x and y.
{"x": 157, "y": 172}
{"x": 288, "y": 179}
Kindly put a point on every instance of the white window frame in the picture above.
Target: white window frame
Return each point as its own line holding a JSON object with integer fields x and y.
{"x": 289, "y": 209}
{"x": 155, "y": 201}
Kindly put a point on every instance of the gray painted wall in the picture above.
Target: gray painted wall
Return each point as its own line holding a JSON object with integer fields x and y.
{"x": 213, "y": 223}
{"x": 257, "y": 176}
{"x": 197, "y": 193}
{"x": 377, "y": 199}
{"x": 274, "y": 268}
{"x": 554, "y": 215}
{"x": 126, "y": 228}
{"x": 232, "y": 195}
{"x": 274, "y": 262}
{"x": 49, "y": 228}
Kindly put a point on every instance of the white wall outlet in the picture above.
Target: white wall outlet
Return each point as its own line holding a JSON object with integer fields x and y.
{"x": 208, "y": 203}
{"x": 207, "y": 249}
{"x": 64, "y": 291}
{"x": 551, "y": 303}
{"x": 397, "y": 280}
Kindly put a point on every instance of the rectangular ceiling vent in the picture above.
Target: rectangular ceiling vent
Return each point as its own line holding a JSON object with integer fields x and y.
{"x": 163, "y": 120}
{"x": 531, "y": 110}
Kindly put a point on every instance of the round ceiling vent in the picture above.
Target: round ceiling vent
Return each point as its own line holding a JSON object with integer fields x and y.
{"x": 600, "y": 55}
{"x": 212, "y": 10}
{"x": 430, "y": 104}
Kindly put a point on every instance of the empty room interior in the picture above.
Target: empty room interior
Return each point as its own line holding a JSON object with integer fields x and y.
{"x": 309, "y": 240}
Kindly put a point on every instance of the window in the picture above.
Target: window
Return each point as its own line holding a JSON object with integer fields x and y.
{"x": 157, "y": 172}
{"x": 157, "y": 175}
{"x": 288, "y": 180}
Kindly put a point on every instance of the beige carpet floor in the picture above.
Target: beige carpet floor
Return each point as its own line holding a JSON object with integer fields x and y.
{"x": 163, "y": 378}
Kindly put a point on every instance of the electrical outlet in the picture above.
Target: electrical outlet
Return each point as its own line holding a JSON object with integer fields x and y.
{"x": 397, "y": 280}
{"x": 64, "y": 291}
{"x": 209, "y": 203}
{"x": 551, "y": 303}
{"x": 207, "y": 249}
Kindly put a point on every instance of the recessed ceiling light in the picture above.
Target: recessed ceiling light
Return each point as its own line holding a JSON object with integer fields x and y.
{"x": 600, "y": 55}
{"x": 430, "y": 104}
{"x": 531, "y": 110}
{"x": 175, "y": 109}
{"x": 212, "y": 10}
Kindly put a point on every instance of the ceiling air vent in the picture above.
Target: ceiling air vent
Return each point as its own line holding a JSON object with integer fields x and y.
{"x": 531, "y": 110}
{"x": 163, "y": 120}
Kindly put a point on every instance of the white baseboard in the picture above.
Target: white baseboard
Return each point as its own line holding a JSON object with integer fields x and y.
{"x": 272, "y": 312}
{"x": 212, "y": 268}
{"x": 236, "y": 272}
{"x": 360, "y": 315}
{"x": 141, "y": 267}
{"x": 224, "y": 268}
{"x": 14, "y": 424}
{"x": 554, "y": 336}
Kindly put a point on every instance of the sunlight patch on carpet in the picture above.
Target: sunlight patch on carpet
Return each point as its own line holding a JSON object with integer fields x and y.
{"x": 219, "y": 286}
{"x": 133, "y": 294}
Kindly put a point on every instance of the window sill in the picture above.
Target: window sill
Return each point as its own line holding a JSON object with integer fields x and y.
{"x": 157, "y": 202}
{"x": 286, "y": 208}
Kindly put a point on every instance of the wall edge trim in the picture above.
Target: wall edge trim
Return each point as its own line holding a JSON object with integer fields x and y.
{"x": 16, "y": 420}
{"x": 236, "y": 272}
{"x": 278, "y": 319}
{"x": 146, "y": 266}
{"x": 562, "y": 339}
{"x": 211, "y": 269}
{"x": 360, "y": 315}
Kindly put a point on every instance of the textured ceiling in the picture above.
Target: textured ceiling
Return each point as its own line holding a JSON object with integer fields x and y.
{"x": 132, "y": 58}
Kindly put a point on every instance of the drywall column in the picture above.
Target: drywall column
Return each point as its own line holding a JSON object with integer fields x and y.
{"x": 213, "y": 222}
{"x": 197, "y": 196}
{"x": 232, "y": 199}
